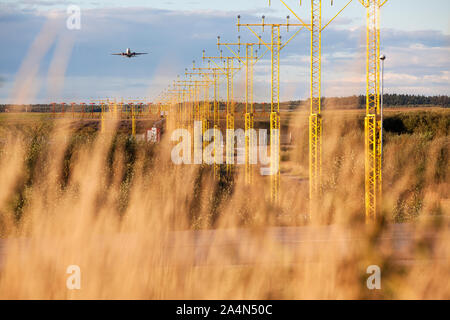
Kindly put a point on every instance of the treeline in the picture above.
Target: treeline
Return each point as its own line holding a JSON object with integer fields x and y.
{"x": 411, "y": 100}
{"x": 352, "y": 102}
{"x": 389, "y": 100}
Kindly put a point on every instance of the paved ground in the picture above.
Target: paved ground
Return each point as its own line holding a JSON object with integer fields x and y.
{"x": 242, "y": 247}
{"x": 303, "y": 243}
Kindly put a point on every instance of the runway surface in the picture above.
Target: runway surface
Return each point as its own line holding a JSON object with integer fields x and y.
{"x": 268, "y": 246}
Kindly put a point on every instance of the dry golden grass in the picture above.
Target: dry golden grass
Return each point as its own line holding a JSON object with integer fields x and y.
{"x": 122, "y": 212}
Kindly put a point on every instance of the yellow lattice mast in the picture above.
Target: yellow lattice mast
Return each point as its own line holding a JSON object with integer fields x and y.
{"x": 193, "y": 87}
{"x": 249, "y": 112}
{"x": 275, "y": 46}
{"x": 315, "y": 118}
{"x": 121, "y": 107}
{"x": 133, "y": 119}
{"x": 193, "y": 109}
{"x": 134, "y": 105}
{"x": 183, "y": 107}
{"x": 102, "y": 116}
{"x": 189, "y": 116}
{"x": 373, "y": 135}
{"x": 204, "y": 109}
{"x": 183, "y": 102}
{"x": 115, "y": 113}
{"x": 177, "y": 103}
{"x": 174, "y": 99}
{"x": 174, "y": 102}
{"x": 215, "y": 72}
{"x": 228, "y": 71}
{"x": 249, "y": 60}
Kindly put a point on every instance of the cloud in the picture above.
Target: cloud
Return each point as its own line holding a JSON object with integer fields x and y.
{"x": 417, "y": 61}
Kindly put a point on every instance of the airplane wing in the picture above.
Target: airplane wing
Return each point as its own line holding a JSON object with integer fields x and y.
{"x": 116, "y": 54}
{"x": 138, "y": 53}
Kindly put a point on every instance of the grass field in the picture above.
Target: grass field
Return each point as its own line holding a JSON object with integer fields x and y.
{"x": 110, "y": 204}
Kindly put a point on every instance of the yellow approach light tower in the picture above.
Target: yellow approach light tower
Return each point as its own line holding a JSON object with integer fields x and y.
{"x": 249, "y": 60}
{"x": 190, "y": 86}
{"x": 216, "y": 72}
{"x": 373, "y": 136}
{"x": 179, "y": 93}
{"x": 204, "y": 110}
{"x": 188, "y": 116}
{"x": 193, "y": 112}
{"x": 182, "y": 108}
{"x": 275, "y": 46}
{"x": 173, "y": 104}
{"x": 315, "y": 118}
{"x": 228, "y": 70}
{"x": 204, "y": 82}
{"x": 186, "y": 101}
{"x": 195, "y": 85}
{"x": 102, "y": 116}
{"x": 177, "y": 96}
{"x": 133, "y": 119}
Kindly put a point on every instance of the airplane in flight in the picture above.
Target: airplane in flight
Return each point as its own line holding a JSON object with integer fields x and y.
{"x": 128, "y": 53}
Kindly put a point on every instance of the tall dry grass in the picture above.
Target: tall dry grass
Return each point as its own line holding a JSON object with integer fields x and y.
{"x": 140, "y": 227}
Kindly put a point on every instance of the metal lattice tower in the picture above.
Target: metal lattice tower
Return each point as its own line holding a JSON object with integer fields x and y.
{"x": 203, "y": 110}
{"x": 230, "y": 116}
{"x": 181, "y": 106}
{"x": 249, "y": 113}
{"x": 248, "y": 60}
{"x": 315, "y": 118}
{"x": 194, "y": 86}
{"x": 275, "y": 114}
{"x": 228, "y": 71}
{"x": 177, "y": 93}
{"x": 215, "y": 72}
{"x": 274, "y": 47}
{"x": 373, "y": 143}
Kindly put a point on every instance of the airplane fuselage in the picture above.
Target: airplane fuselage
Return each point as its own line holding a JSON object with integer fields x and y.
{"x": 129, "y": 54}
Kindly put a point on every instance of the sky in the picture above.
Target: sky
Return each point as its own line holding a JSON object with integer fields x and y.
{"x": 43, "y": 61}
